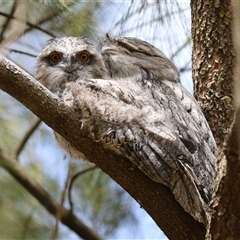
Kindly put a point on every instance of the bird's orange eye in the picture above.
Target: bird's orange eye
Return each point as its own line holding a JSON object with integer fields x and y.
{"x": 84, "y": 57}
{"x": 55, "y": 57}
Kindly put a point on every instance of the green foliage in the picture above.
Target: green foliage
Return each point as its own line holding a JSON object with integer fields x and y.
{"x": 78, "y": 21}
{"x": 12, "y": 113}
{"x": 19, "y": 212}
{"x": 102, "y": 201}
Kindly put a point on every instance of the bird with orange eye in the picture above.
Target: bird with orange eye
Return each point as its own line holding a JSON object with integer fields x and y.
{"x": 84, "y": 57}
{"x": 55, "y": 57}
{"x": 74, "y": 57}
{"x": 131, "y": 101}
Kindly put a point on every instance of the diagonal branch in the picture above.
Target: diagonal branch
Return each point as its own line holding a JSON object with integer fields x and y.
{"x": 22, "y": 52}
{"x": 59, "y": 214}
{"x": 67, "y": 217}
{"x": 155, "y": 198}
{"x": 72, "y": 182}
{"x": 25, "y": 138}
{"x": 29, "y": 24}
{"x": 6, "y": 23}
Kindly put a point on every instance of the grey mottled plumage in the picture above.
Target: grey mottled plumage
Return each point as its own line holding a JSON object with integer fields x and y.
{"x": 128, "y": 57}
{"x": 130, "y": 98}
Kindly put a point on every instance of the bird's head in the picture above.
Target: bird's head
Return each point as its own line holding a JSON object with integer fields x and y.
{"x": 67, "y": 59}
{"x": 129, "y": 57}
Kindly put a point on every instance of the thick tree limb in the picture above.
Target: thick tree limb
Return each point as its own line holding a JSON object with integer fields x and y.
{"x": 225, "y": 222}
{"x": 155, "y": 198}
{"x": 67, "y": 217}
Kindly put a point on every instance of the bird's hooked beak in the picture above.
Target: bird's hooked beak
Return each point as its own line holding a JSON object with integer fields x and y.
{"x": 69, "y": 68}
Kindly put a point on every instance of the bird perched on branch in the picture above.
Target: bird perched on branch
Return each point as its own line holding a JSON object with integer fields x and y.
{"x": 130, "y": 98}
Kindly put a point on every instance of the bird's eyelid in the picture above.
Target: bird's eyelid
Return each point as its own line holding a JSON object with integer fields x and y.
{"x": 82, "y": 52}
{"x": 55, "y": 52}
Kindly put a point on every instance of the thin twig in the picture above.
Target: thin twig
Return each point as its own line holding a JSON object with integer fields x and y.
{"x": 40, "y": 21}
{"x": 185, "y": 68}
{"x": 27, "y": 223}
{"x": 187, "y": 42}
{"x": 25, "y": 138}
{"x": 73, "y": 180}
{"x": 59, "y": 214}
{"x": 27, "y": 23}
{"x": 5, "y": 25}
{"x": 68, "y": 218}
{"x": 21, "y": 52}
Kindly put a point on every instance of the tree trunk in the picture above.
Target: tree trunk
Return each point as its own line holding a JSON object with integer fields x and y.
{"x": 213, "y": 63}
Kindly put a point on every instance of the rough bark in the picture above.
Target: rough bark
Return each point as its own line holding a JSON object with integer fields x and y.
{"x": 155, "y": 198}
{"x": 225, "y": 223}
{"x": 213, "y": 63}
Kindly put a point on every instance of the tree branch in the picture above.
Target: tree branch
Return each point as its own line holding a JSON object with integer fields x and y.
{"x": 6, "y": 23}
{"x": 67, "y": 217}
{"x": 155, "y": 198}
{"x": 21, "y": 52}
{"x": 60, "y": 212}
{"x": 75, "y": 176}
{"x": 29, "y": 24}
{"x": 25, "y": 138}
